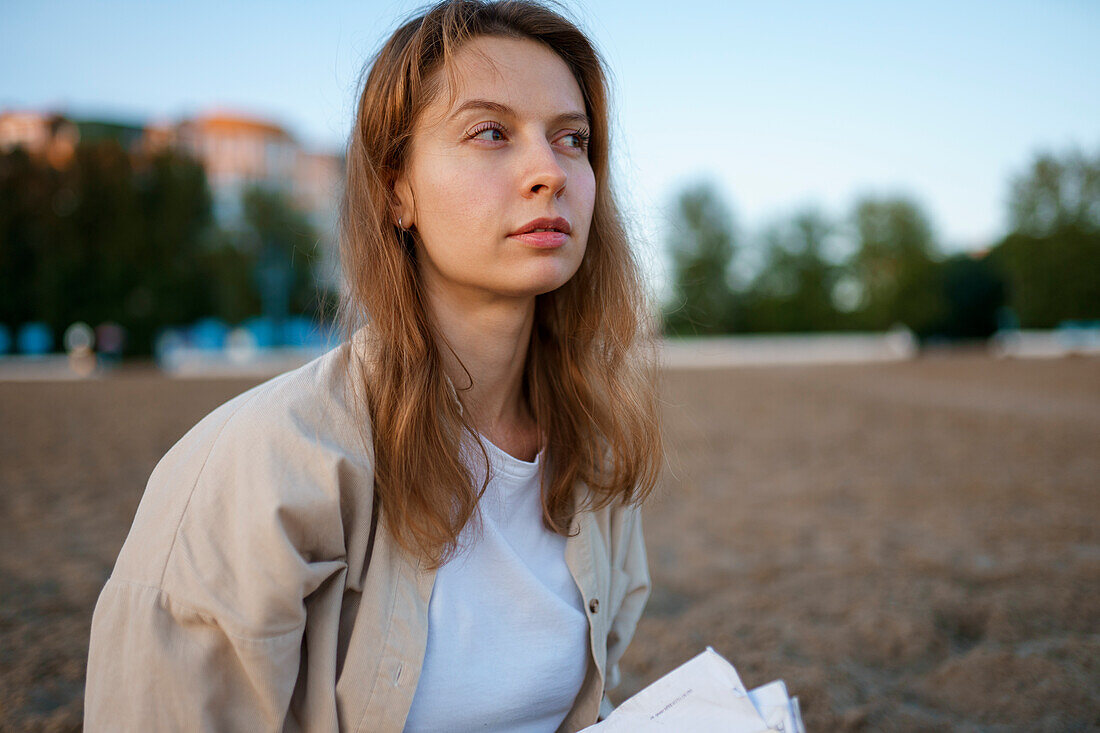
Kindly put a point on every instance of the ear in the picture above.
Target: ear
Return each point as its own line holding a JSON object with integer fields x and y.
{"x": 404, "y": 209}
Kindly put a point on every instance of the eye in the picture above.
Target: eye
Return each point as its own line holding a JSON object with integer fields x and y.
{"x": 577, "y": 139}
{"x": 488, "y": 131}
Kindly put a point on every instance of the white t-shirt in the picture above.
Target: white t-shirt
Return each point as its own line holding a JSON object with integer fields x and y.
{"x": 507, "y": 633}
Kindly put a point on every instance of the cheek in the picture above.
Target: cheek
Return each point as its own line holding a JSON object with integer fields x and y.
{"x": 455, "y": 203}
{"x": 589, "y": 183}
{"x": 585, "y": 194}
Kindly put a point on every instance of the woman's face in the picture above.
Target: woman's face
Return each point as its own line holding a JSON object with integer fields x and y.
{"x": 510, "y": 150}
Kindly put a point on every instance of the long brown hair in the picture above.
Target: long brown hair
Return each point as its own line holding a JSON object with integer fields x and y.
{"x": 590, "y": 376}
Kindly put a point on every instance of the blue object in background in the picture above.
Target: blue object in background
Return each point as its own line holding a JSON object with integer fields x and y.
{"x": 1078, "y": 324}
{"x": 301, "y": 332}
{"x": 1078, "y": 334}
{"x": 5, "y": 339}
{"x": 263, "y": 330}
{"x": 296, "y": 331}
{"x": 209, "y": 333}
{"x": 1006, "y": 319}
{"x": 166, "y": 343}
{"x": 35, "y": 338}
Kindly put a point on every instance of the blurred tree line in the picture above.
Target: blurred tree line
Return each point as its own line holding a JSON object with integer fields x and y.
{"x": 130, "y": 238}
{"x": 116, "y": 236}
{"x": 882, "y": 265}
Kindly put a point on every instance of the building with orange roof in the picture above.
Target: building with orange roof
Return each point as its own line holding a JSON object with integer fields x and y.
{"x": 47, "y": 134}
{"x": 239, "y": 150}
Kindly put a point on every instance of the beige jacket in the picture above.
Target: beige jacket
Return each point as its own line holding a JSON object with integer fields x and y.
{"x": 252, "y": 594}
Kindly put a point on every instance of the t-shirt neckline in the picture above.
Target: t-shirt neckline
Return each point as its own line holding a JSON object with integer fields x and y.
{"x": 505, "y": 463}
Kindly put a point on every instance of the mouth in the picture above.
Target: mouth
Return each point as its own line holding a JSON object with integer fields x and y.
{"x": 544, "y": 232}
{"x": 544, "y": 224}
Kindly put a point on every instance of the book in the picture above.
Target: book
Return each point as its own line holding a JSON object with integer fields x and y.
{"x": 705, "y": 695}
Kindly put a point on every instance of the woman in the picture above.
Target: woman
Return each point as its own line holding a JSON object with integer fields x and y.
{"x": 436, "y": 525}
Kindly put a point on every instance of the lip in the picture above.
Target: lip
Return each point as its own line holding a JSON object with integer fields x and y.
{"x": 542, "y": 239}
{"x": 557, "y": 238}
{"x": 558, "y": 223}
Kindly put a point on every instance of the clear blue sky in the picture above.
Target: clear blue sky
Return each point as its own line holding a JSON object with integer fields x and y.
{"x": 781, "y": 104}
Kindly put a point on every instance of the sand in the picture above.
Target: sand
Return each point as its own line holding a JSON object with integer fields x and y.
{"x": 911, "y": 546}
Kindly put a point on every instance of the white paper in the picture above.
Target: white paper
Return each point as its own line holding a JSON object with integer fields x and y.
{"x": 705, "y": 695}
{"x": 775, "y": 706}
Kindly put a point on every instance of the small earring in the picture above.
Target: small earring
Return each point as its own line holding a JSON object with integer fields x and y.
{"x": 399, "y": 224}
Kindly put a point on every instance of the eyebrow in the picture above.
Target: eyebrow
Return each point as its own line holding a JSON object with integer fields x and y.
{"x": 504, "y": 109}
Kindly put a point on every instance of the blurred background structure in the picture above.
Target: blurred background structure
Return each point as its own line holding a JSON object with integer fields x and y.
{"x": 217, "y": 218}
{"x": 787, "y": 170}
{"x": 873, "y": 234}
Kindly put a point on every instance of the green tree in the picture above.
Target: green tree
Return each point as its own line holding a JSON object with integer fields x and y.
{"x": 793, "y": 290}
{"x": 974, "y": 292}
{"x": 27, "y": 189}
{"x": 285, "y": 245}
{"x": 1052, "y": 278}
{"x": 894, "y": 263}
{"x": 231, "y": 276}
{"x": 1055, "y": 194}
{"x": 169, "y": 281}
{"x": 702, "y": 247}
{"x": 1051, "y": 259}
{"x": 110, "y": 236}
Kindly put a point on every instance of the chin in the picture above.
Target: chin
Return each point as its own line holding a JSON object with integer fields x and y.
{"x": 544, "y": 279}
{"x": 530, "y": 290}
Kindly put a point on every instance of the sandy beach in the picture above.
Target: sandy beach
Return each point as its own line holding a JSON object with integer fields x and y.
{"x": 910, "y": 545}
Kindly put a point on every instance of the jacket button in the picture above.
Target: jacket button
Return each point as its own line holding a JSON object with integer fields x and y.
{"x": 594, "y": 605}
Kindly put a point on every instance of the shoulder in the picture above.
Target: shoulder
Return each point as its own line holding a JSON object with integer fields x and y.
{"x": 264, "y": 486}
{"x": 303, "y": 419}
{"x": 316, "y": 401}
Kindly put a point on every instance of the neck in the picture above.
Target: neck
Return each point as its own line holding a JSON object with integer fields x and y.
{"x": 484, "y": 350}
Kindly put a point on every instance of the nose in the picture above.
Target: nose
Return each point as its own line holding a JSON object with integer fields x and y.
{"x": 544, "y": 174}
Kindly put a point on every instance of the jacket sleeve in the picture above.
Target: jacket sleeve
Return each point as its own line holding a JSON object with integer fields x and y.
{"x": 631, "y": 582}
{"x": 200, "y": 625}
